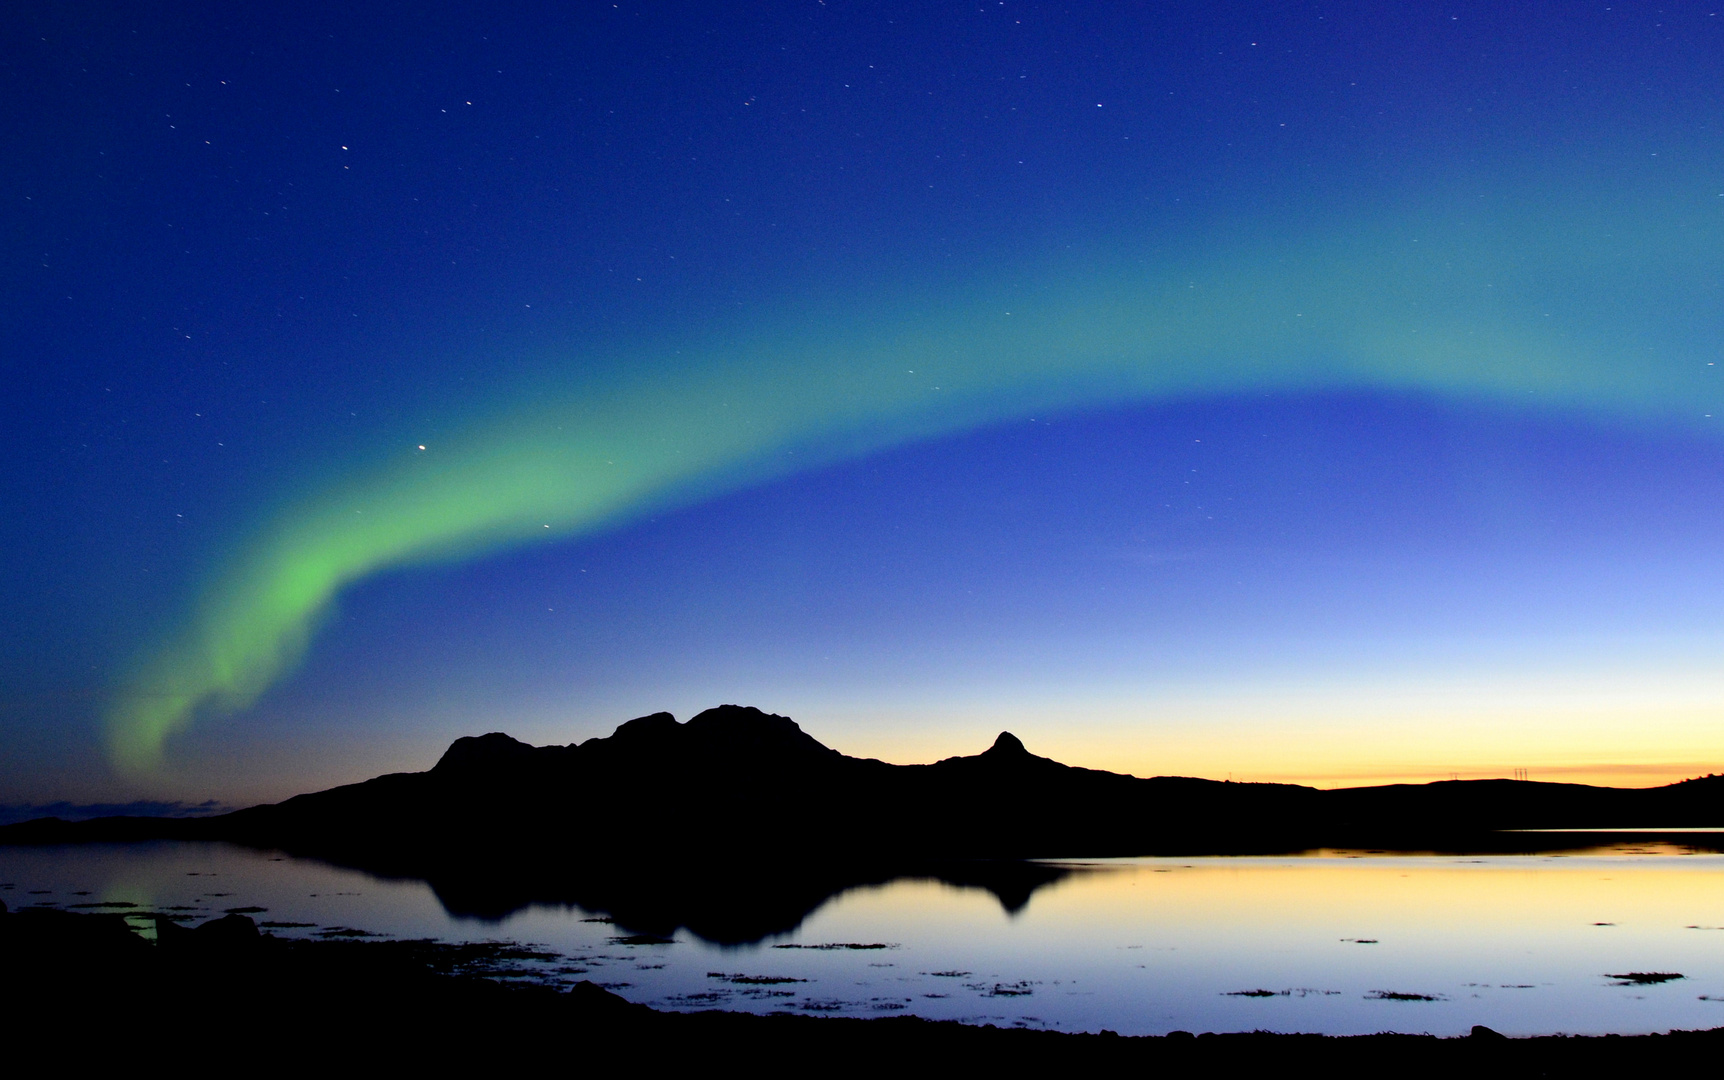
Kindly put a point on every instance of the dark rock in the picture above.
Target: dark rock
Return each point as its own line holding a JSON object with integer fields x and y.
{"x": 230, "y": 930}
{"x": 227, "y": 934}
{"x": 68, "y": 936}
{"x": 171, "y": 935}
{"x": 595, "y": 1000}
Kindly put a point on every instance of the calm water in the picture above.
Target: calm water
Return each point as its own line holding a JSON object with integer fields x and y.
{"x": 1326, "y": 942}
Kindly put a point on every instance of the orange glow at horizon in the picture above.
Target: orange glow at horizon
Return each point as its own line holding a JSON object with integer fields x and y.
{"x": 1634, "y": 726}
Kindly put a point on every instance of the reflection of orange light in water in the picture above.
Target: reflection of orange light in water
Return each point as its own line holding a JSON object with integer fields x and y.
{"x": 1392, "y": 897}
{"x": 1317, "y": 901}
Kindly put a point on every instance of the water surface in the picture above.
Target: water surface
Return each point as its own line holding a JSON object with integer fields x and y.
{"x": 1331, "y": 942}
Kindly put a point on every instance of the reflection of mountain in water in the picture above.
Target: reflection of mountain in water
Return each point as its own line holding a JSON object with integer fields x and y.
{"x": 728, "y": 905}
{"x": 737, "y": 823}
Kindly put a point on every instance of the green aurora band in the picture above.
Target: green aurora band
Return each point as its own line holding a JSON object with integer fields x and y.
{"x": 1607, "y": 309}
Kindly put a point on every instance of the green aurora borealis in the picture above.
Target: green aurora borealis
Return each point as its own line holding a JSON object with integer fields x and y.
{"x": 1320, "y": 392}
{"x": 1552, "y": 300}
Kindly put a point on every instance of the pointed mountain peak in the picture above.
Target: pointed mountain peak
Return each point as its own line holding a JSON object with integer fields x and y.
{"x": 1008, "y": 743}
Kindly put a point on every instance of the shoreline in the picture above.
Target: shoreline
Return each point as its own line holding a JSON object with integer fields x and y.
{"x": 226, "y": 987}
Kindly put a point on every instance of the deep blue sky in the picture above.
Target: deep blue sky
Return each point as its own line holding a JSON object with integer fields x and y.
{"x": 255, "y": 257}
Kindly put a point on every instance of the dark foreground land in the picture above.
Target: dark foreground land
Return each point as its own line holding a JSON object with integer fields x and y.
{"x": 86, "y": 990}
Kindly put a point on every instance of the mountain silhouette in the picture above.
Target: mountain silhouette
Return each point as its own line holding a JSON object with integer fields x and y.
{"x": 736, "y": 782}
{"x": 737, "y": 823}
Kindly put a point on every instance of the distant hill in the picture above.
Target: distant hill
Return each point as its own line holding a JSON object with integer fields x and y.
{"x": 735, "y": 783}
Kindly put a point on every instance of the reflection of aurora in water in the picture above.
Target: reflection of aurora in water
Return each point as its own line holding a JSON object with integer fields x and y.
{"x": 1522, "y": 944}
{"x": 1596, "y": 309}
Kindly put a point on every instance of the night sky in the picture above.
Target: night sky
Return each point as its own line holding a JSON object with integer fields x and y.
{"x": 1321, "y": 392}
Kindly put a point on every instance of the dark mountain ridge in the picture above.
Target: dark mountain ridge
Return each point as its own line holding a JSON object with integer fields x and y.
{"x": 737, "y": 783}
{"x": 737, "y": 823}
